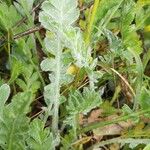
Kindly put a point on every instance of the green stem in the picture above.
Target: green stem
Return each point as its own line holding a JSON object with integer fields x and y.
{"x": 55, "y": 118}
{"x": 120, "y": 140}
{"x": 91, "y": 22}
{"x": 105, "y": 123}
{"x": 8, "y": 45}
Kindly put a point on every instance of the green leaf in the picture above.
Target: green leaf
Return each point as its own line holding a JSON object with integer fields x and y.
{"x": 128, "y": 111}
{"x": 147, "y": 147}
{"x": 8, "y": 16}
{"x": 14, "y": 124}
{"x": 20, "y": 104}
{"x": 115, "y": 43}
{"x": 83, "y": 103}
{"x": 128, "y": 30}
{"x": 57, "y": 13}
{"x": 13, "y": 132}
{"x": 144, "y": 98}
{"x": 79, "y": 51}
{"x": 16, "y": 69}
{"x": 105, "y": 12}
{"x": 67, "y": 140}
{"x": 48, "y": 64}
{"x": 4, "y": 94}
{"x": 39, "y": 138}
{"x": 30, "y": 81}
{"x": 50, "y": 43}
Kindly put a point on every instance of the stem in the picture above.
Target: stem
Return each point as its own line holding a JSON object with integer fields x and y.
{"x": 91, "y": 21}
{"x": 8, "y": 44}
{"x": 120, "y": 140}
{"x": 57, "y": 90}
{"x": 28, "y": 32}
{"x": 105, "y": 123}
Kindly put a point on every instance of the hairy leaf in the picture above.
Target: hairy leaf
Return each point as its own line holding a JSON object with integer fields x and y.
{"x": 83, "y": 103}
{"x": 59, "y": 13}
{"x": 39, "y": 138}
{"x": 4, "y": 94}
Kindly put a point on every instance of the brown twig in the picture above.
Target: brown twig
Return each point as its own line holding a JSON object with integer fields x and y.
{"x": 29, "y": 31}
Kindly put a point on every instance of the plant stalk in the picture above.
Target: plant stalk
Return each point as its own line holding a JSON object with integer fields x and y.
{"x": 105, "y": 123}
{"x": 91, "y": 21}
{"x": 55, "y": 119}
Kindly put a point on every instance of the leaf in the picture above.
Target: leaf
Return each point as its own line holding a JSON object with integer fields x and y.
{"x": 106, "y": 9}
{"x": 8, "y": 16}
{"x": 147, "y": 147}
{"x": 128, "y": 13}
{"x": 49, "y": 93}
{"x": 14, "y": 124}
{"x": 74, "y": 40}
{"x": 20, "y": 104}
{"x": 83, "y": 103}
{"x": 144, "y": 2}
{"x": 30, "y": 81}
{"x": 115, "y": 43}
{"x": 16, "y": 70}
{"x": 56, "y": 13}
{"x": 144, "y": 98}
{"x": 40, "y": 138}
{"x": 48, "y": 64}
{"x": 128, "y": 111}
{"x": 21, "y": 84}
{"x": 128, "y": 30}
{"x": 50, "y": 43}
{"x": 13, "y": 132}
{"x": 4, "y": 94}
{"x": 67, "y": 140}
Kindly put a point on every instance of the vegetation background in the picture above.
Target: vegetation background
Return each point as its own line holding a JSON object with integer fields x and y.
{"x": 74, "y": 74}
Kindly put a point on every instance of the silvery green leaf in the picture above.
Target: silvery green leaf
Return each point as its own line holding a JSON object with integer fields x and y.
{"x": 94, "y": 75}
{"x": 49, "y": 92}
{"x": 51, "y": 44}
{"x": 62, "y": 99}
{"x": 79, "y": 51}
{"x": 66, "y": 78}
{"x": 114, "y": 41}
{"x": 134, "y": 143}
{"x": 92, "y": 64}
{"x": 48, "y": 64}
{"x": 67, "y": 58}
{"x": 45, "y": 20}
{"x": 59, "y": 13}
{"x": 52, "y": 77}
{"x": 83, "y": 103}
{"x": 4, "y": 94}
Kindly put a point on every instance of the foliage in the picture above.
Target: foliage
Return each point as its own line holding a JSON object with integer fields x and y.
{"x": 68, "y": 67}
{"x": 78, "y": 103}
